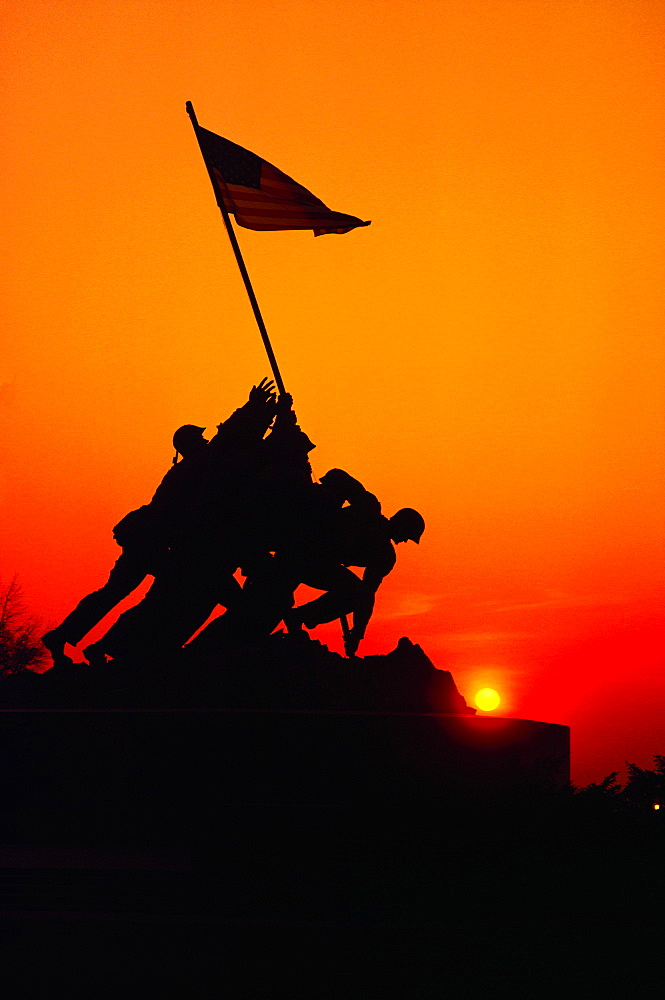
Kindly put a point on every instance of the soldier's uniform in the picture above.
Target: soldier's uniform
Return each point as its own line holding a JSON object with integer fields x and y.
{"x": 155, "y": 537}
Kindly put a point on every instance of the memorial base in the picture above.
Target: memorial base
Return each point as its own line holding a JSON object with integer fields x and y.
{"x": 118, "y": 774}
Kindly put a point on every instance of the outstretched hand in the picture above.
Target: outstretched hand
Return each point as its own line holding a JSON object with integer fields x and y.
{"x": 264, "y": 392}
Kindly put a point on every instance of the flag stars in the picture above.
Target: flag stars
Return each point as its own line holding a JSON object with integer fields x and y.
{"x": 235, "y": 164}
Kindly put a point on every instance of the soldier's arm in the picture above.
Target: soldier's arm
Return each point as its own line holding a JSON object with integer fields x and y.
{"x": 250, "y": 421}
{"x": 286, "y": 439}
{"x": 345, "y": 487}
{"x": 285, "y": 419}
{"x": 361, "y": 617}
{"x": 373, "y": 577}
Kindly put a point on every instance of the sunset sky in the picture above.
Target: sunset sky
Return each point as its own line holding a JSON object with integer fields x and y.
{"x": 488, "y": 351}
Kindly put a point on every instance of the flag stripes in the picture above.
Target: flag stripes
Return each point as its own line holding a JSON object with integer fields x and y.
{"x": 263, "y": 198}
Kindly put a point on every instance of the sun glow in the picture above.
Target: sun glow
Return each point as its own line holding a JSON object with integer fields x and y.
{"x": 487, "y": 699}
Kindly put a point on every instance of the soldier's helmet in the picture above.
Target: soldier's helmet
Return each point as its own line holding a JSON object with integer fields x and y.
{"x": 188, "y": 438}
{"x": 407, "y": 524}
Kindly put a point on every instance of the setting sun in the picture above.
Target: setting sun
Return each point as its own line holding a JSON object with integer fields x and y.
{"x": 487, "y": 699}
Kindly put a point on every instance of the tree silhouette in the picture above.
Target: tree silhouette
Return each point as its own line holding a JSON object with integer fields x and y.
{"x": 644, "y": 789}
{"x": 608, "y": 788}
{"x": 20, "y": 643}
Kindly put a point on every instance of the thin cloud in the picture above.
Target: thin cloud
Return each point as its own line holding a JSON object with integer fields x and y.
{"x": 560, "y": 601}
{"x": 484, "y": 637}
{"x": 409, "y": 605}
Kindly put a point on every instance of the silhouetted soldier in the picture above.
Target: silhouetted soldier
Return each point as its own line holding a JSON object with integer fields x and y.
{"x": 277, "y": 501}
{"x": 206, "y": 549}
{"x": 354, "y": 535}
{"x": 284, "y": 481}
{"x": 146, "y": 534}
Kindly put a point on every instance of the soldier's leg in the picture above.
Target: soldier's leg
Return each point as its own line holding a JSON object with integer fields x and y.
{"x": 229, "y": 592}
{"x": 345, "y": 593}
{"x": 265, "y": 597}
{"x": 128, "y": 572}
{"x": 178, "y": 603}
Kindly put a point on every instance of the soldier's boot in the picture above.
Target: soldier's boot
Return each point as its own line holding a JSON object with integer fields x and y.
{"x": 294, "y": 625}
{"x": 95, "y": 655}
{"x": 55, "y": 643}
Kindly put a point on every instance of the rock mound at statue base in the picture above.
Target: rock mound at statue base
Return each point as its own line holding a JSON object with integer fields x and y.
{"x": 281, "y": 672}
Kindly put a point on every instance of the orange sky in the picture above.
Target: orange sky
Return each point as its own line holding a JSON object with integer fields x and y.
{"x": 488, "y": 351}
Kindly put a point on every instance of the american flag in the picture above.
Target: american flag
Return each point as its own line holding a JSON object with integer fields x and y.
{"x": 261, "y": 197}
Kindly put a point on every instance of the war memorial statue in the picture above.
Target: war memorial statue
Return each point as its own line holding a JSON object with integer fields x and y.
{"x": 237, "y": 525}
{"x": 245, "y": 506}
{"x": 240, "y": 522}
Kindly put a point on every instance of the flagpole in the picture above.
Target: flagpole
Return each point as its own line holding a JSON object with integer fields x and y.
{"x": 239, "y": 259}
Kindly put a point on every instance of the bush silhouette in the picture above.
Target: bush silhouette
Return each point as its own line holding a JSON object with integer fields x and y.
{"x": 20, "y": 643}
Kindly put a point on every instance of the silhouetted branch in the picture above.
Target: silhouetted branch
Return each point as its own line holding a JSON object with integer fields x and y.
{"x": 20, "y": 633}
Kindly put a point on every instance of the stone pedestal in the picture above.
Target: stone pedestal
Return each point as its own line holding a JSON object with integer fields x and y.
{"x": 109, "y": 768}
